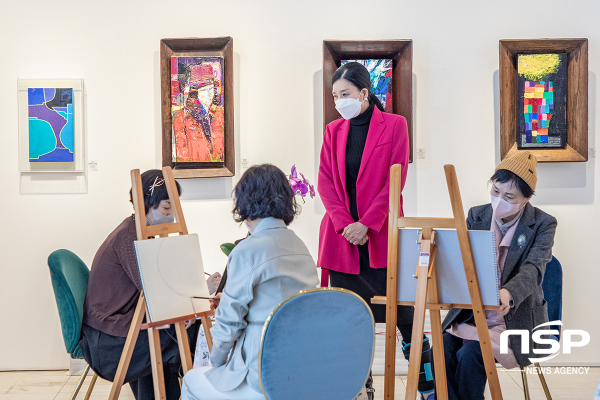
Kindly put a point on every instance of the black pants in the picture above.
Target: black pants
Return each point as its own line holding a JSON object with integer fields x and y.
{"x": 103, "y": 352}
{"x": 372, "y": 282}
{"x": 465, "y": 372}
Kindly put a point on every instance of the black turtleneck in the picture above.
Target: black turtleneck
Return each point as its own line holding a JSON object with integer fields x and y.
{"x": 357, "y": 137}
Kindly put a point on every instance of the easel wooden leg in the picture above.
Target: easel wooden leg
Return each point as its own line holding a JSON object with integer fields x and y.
{"x": 207, "y": 324}
{"x": 441, "y": 385}
{"x": 416, "y": 346}
{"x": 437, "y": 335}
{"x": 390, "y": 348}
{"x": 184, "y": 346}
{"x": 134, "y": 331}
{"x": 158, "y": 375}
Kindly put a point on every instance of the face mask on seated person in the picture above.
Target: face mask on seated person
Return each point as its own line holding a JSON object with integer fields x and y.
{"x": 155, "y": 217}
{"x": 503, "y": 208}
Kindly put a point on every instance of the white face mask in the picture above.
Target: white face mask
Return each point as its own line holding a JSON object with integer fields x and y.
{"x": 155, "y": 217}
{"x": 348, "y": 107}
{"x": 503, "y": 208}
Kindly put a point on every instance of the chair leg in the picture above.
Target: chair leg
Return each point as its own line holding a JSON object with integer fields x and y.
{"x": 543, "y": 381}
{"x": 91, "y": 387}
{"x": 81, "y": 380}
{"x": 525, "y": 385}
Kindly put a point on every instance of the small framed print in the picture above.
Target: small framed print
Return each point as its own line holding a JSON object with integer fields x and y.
{"x": 51, "y": 134}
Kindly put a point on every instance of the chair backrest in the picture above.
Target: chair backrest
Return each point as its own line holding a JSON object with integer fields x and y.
{"x": 317, "y": 344}
{"x": 69, "y": 280}
{"x": 552, "y": 287}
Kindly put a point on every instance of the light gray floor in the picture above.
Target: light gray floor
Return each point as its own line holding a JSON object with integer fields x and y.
{"x": 56, "y": 385}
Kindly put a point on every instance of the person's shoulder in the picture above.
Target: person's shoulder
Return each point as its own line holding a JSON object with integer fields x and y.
{"x": 543, "y": 217}
{"x": 126, "y": 230}
{"x": 483, "y": 211}
{"x": 393, "y": 118}
{"x": 476, "y": 210}
{"x": 335, "y": 124}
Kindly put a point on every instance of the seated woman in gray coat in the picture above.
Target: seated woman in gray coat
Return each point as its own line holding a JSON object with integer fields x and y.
{"x": 264, "y": 269}
{"x": 524, "y": 238}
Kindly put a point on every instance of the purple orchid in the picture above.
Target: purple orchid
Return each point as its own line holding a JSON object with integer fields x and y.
{"x": 300, "y": 186}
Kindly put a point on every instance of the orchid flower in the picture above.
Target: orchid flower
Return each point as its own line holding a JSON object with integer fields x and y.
{"x": 300, "y": 186}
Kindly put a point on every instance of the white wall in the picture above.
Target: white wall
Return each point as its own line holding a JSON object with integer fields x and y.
{"x": 114, "y": 47}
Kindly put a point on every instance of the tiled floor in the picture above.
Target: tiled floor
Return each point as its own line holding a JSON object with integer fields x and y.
{"x": 56, "y": 385}
{"x": 562, "y": 387}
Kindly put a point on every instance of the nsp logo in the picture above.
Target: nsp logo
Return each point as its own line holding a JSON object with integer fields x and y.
{"x": 568, "y": 336}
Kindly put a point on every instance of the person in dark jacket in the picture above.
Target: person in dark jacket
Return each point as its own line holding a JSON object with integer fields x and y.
{"x": 113, "y": 291}
{"x": 524, "y": 237}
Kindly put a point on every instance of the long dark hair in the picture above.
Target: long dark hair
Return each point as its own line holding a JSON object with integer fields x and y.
{"x": 264, "y": 191}
{"x": 358, "y": 75}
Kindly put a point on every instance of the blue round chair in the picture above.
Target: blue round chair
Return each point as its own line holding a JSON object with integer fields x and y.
{"x": 317, "y": 344}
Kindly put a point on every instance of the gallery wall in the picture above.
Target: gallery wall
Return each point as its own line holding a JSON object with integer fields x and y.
{"x": 114, "y": 47}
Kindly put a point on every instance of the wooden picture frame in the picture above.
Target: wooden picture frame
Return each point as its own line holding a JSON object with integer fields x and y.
{"x": 399, "y": 51}
{"x": 576, "y": 149}
{"x": 198, "y": 47}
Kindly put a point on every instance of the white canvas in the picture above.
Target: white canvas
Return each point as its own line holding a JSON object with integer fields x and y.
{"x": 172, "y": 273}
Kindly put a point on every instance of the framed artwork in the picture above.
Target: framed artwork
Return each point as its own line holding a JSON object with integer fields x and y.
{"x": 390, "y": 65}
{"x": 51, "y": 135}
{"x": 197, "y": 107}
{"x": 381, "y": 79}
{"x": 544, "y": 98}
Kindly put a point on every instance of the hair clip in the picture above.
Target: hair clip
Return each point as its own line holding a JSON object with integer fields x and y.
{"x": 156, "y": 183}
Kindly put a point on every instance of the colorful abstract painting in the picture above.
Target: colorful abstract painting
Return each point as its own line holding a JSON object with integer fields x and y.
{"x": 381, "y": 79}
{"x": 50, "y": 124}
{"x": 542, "y": 100}
{"x": 197, "y": 109}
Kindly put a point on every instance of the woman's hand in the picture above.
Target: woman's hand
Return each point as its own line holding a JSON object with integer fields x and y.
{"x": 355, "y": 233}
{"x": 189, "y": 323}
{"x": 505, "y": 298}
{"x": 214, "y": 302}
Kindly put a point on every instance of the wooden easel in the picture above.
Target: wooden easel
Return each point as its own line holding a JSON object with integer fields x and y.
{"x": 146, "y": 232}
{"x": 427, "y": 285}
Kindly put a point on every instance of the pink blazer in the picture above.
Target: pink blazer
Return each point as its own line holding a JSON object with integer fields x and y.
{"x": 387, "y": 144}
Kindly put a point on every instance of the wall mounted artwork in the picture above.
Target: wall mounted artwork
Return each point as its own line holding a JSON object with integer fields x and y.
{"x": 50, "y": 125}
{"x": 381, "y": 80}
{"x": 197, "y": 107}
{"x": 544, "y": 98}
{"x": 390, "y": 66}
{"x": 542, "y": 92}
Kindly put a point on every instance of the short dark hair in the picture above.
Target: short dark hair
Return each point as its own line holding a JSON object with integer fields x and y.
{"x": 262, "y": 192}
{"x": 358, "y": 75}
{"x": 153, "y": 197}
{"x": 504, "y": 175}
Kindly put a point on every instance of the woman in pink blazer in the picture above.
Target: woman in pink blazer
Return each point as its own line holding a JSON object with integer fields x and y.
{"x": 354, "y": 182}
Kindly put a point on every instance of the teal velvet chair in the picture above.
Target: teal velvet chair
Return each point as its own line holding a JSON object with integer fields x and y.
{"x": 69, "y": 277}
{"x": 317, "y": 344}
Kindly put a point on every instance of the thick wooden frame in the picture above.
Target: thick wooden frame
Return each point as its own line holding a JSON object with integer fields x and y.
{"x": 197, "y": 47}
{"x": 577, "y": 96}
{"x": 400, "y": 51}
{"x": 427, "y": 296}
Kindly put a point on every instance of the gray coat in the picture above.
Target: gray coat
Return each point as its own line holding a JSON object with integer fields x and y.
{"x": 264, "y": 269}
{"x": 522, "y": 275}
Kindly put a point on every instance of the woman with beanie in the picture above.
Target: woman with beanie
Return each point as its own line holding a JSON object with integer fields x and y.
{"x": 524, "y": 237}
{"x": 358, "y": 151}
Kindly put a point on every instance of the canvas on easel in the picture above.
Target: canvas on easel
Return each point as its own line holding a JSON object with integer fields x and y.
{"x": 153, "y": 325}
{"x": 428, "y": 288}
